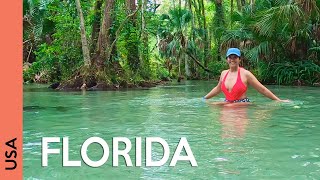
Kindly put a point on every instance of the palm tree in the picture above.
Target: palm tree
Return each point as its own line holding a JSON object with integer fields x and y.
{"x": 173, "y": 33}
{"x": 277, "y": 31}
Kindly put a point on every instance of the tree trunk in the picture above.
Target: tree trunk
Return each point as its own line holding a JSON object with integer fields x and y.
{"x": 206, "y": 43}
{"x": 192, "y": 35}
{"x": 85, "y": 48}
{"x": 231, "y": 12}
{"x": 198, "y": 13}
{"x": 96, "y": 24}
{"x": 219, "y": 22}
{"x": 174, "y": 4}
{"x": 186, "y": 65}
{"x": 179, "y": 69}
{"x": 145, "y": 43}
{"x": 243, "y": 3}
{"x": 239, "y": 6}
{"x": 252, "y": 5}
{"x": 103, "y": 43}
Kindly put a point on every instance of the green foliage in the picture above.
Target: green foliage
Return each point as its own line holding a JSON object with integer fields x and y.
{"x": 59, "y": 59}
{"x": 254, "y": 53}
{"x": 36, "y": 12}
{"x": 163, "y": 73}
{"x": 217, "y": 67}
{"x": 173, "y": 34}
{"x": 132, "y": 43}
{"x": 304, "y": 72}
{"x": 274, "y": 36}
{"x": 219, "y": 22}
{"x": 173, "y": 31}
{"x": 45, "y": 66}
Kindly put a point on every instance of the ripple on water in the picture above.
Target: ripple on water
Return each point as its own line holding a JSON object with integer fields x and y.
{"x": 220, "y": 159}
{"x": 317, "y": 163}
{"x": 32, "y": 144}
{"x": 295, "y": 156}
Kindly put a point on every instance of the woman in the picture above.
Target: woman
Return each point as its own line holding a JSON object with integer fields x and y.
{"x": 234, "y": 82}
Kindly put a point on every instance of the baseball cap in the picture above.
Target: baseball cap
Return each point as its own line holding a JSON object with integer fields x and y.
{"x": 234, "y": 51}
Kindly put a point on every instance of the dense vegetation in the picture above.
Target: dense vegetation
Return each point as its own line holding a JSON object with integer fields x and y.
{"x": 124, "y": 43}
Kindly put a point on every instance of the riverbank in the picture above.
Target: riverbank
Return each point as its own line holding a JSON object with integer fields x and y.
{"x": 103, "y": 86}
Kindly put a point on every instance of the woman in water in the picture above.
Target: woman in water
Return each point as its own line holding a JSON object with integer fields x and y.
{"x": 234, "y": 82}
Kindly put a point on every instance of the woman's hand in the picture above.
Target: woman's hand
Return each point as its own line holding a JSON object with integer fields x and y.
{"x": 284, "y": 100}
{"x": 204, "y": 99}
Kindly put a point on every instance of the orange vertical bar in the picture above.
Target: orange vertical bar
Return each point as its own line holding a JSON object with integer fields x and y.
{"x": 11, "y": 89}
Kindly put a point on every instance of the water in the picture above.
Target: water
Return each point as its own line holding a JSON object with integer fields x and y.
{"x": 265, "y": 140}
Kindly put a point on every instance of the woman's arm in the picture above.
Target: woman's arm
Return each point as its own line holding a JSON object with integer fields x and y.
{"x": 252, "y": 80}
{"x": 216, "y": 90}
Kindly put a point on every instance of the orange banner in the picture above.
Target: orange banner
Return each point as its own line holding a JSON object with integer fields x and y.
{"x": 11, "y": 90}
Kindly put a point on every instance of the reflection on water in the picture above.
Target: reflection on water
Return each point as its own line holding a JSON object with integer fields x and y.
{"x": 262, "y": 140}
{"x": 234, "y": 119}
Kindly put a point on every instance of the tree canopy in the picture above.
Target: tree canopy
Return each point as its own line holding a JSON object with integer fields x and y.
{"x": 124, "y": 43}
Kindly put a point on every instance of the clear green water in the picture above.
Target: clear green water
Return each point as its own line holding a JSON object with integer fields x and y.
{"x": 265, "y": 140}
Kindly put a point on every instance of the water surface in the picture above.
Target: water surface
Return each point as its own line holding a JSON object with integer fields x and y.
{"x": 265, "y": 140}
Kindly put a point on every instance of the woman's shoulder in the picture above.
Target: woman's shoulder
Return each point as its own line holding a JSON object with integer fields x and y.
{"x": 223, "y": 72}
{"x": 246, "y": 72}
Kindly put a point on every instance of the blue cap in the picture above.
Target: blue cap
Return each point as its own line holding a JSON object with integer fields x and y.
{"x": 234, "y": 51}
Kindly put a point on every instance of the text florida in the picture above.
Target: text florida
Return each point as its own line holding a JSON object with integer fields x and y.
{"x": 116, "y": 152}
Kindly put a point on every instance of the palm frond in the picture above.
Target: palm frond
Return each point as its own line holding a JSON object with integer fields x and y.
{"x": 314, "y": 49}
{"x": 267, "y": 23}
{"x": 236, "y": 35}
{"x": 289, "y": 15}
{"x": 261, "y": 49}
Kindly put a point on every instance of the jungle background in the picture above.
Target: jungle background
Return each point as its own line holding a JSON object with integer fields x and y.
{"x": 106, "y": 44}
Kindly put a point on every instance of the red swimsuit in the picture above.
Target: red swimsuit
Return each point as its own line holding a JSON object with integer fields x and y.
{"x": 237, "y": 91}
